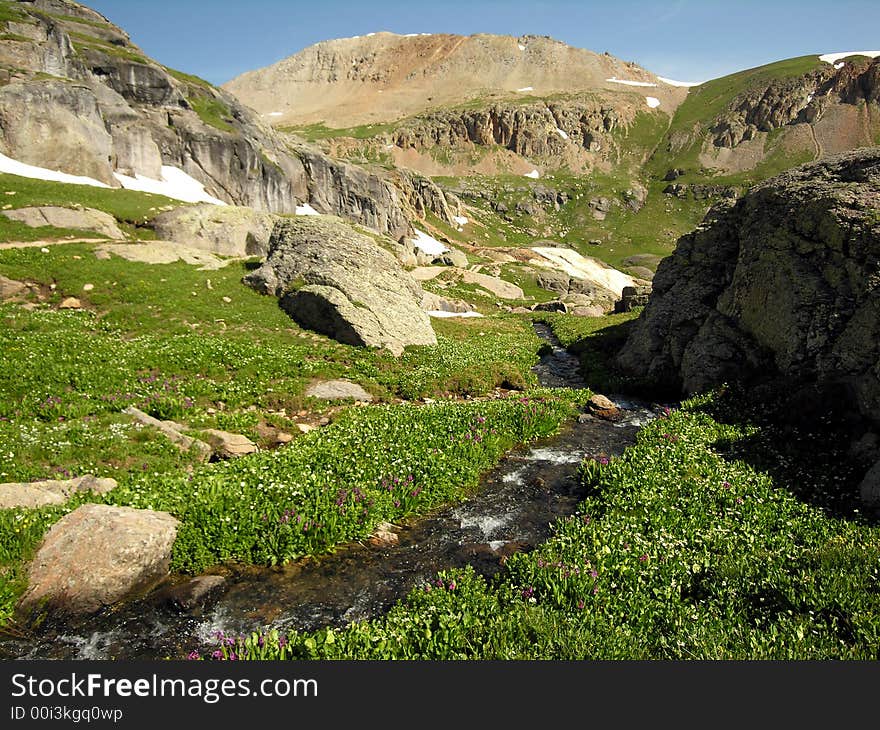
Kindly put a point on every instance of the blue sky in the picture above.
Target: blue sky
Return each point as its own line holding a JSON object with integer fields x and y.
{"x": 689, "y": 40}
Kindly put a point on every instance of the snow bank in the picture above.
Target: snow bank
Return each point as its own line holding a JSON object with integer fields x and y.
{"x": 652, "y": 101}
{"x": 460, "y": 219}
{"x": 446, "y": 315}
{"x": 615, "y": 80}
{"x": 14, "y": 167}
{"x": 521, "y": 47}
{"x": 175, "y": 183}
{"x": 526, "y": 88}
{"x": 275, "y": 114}
{"x": 561, "y": 133}
{"x": 835, "y": 57}
{"x": 428, "y": 244}
{"x": 306, "y": 209}
{"x": 582, "y": 267}
{"x": 673, "y": 82}
{"x": 534, "y": 174}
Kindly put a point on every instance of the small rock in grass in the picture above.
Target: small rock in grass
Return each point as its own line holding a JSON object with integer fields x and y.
{"x": 227, "y": 300}
{"x": 304, "y": 427}
{"x": 88, "y": 287}
{"x": 384, "y": 535}
{"x": 283, "y": 438}
{"x": 44, "y": 250}
{"x": 70, "y": 303}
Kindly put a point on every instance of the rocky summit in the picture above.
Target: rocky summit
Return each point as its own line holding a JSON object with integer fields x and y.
{"x": 335, "y": 280}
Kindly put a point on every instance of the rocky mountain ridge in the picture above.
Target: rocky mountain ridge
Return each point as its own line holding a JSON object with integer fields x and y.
{"x": 71, "y": 76}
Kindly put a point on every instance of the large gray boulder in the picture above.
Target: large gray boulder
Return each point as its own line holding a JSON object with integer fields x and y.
{"x": 96, "y": 556}
{"x": 83, "y": 219}
{"x": 340, "y": 282}
{"x": 781, "y": 287}
{"x": 786, "y": 281}
{"x": 228, "y": 231}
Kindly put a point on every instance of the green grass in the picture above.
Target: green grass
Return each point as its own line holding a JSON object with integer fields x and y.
{"x": 705, "y": 103}
{"x": 129, "y": 206}
{"x": 10, "y": 12}
{"x": 163, "y": 339}
{"x": 85, "y": 42}
{"x": 189, "y": 78}
{"x": 676, "y": 553}
{"x": 212, "y": 111}
{"x": 319, "y": 131}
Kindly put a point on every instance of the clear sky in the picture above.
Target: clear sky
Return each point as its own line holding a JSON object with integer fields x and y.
{"x": 688, "y": 40}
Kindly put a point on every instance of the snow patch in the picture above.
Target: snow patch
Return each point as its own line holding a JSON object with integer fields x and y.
{"x": 652, "y": 101}
{"x": 175, "y": 183}
{"x": 460, "y": 219}
{"x": 583, "y": 267}
{"x": 615, "y": 80}
{"x": 14, "y": 167}
{"x": 561, "y": 133}
{"x": 835, "y": 57}
{"x": 534, "y": 174}
{"x": 526, "y": 88}
{"x": 673, "y": 82}
{"x": 521, "y": 47}
{"x": 839, "y": 66}
{"x": 428, "y": 244}
{"x": 306, "y": 209}
{"x": 275, "y": 114}
{"x": 439, "y": 314}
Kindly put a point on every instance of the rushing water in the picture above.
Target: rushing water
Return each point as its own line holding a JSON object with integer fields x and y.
{"x": 511, "y": 512}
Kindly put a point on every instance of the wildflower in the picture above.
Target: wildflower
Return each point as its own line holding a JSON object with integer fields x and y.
{"x": 217, "y": 654}
{"x": 643, "y": 558}
{"x": 739, "y": 500}
{"x": 193, "y": 655}
{"x": 581, "y": 604}
{"x": 594, "y": 573}
{"x": 528, "y": 592}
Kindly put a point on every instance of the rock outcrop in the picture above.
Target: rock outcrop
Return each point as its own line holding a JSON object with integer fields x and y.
{"x": 335, "y": 280}
{"x": 784, "y": 283}
{"x": 69, "y": 75}
{"x": 231, "y": 231}
{"x": 51, "y": 491}
{"x": 96, "y": 556}
{"x": 84, "y": 219}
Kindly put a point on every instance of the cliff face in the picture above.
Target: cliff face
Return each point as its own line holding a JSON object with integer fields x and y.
{"x": 785, "y": 280}
{"x": 68, "y": 75}
{"x": 799, "y": 99}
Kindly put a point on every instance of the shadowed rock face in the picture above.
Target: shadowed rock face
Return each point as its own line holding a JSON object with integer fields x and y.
{"x": 786, "y": 281}
{"x": 782, "y": 286}
{"x": 334, "y": 280}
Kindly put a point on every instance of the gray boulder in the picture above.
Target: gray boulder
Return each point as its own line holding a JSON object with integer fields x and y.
{"x": 51, "y": 491}
{"x": 338, "y": 390}
{"x": 332, "y": 279}
{"x": 96, "y": 556}
{"x": 783, "y": 283}
{"x": 228, "y": 231}
{"x": 83, "y": 219}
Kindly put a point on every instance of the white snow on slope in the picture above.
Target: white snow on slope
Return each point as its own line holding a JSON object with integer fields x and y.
{"x": 446, "y": 315}
{"x": 275, "y": 114}
{"x": 428, "y": 244}
{"x": 582, "y": 267}
{"x": 460, "y": 219}
{"x": 522, "y": 47}
{"x": 14, "y": 167}
{"x": 652, "y": 101}
{"x": 526, "y": 88}
{"x": 615, "y": 80}
{"x": 534, "y": 174}
{"x": 306, "y": 209}
{"x": 561, "y": 133}
{"x": 673, "y": 82}
{"x": 175, "y": 183}
{"x": 835, "y": 57}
